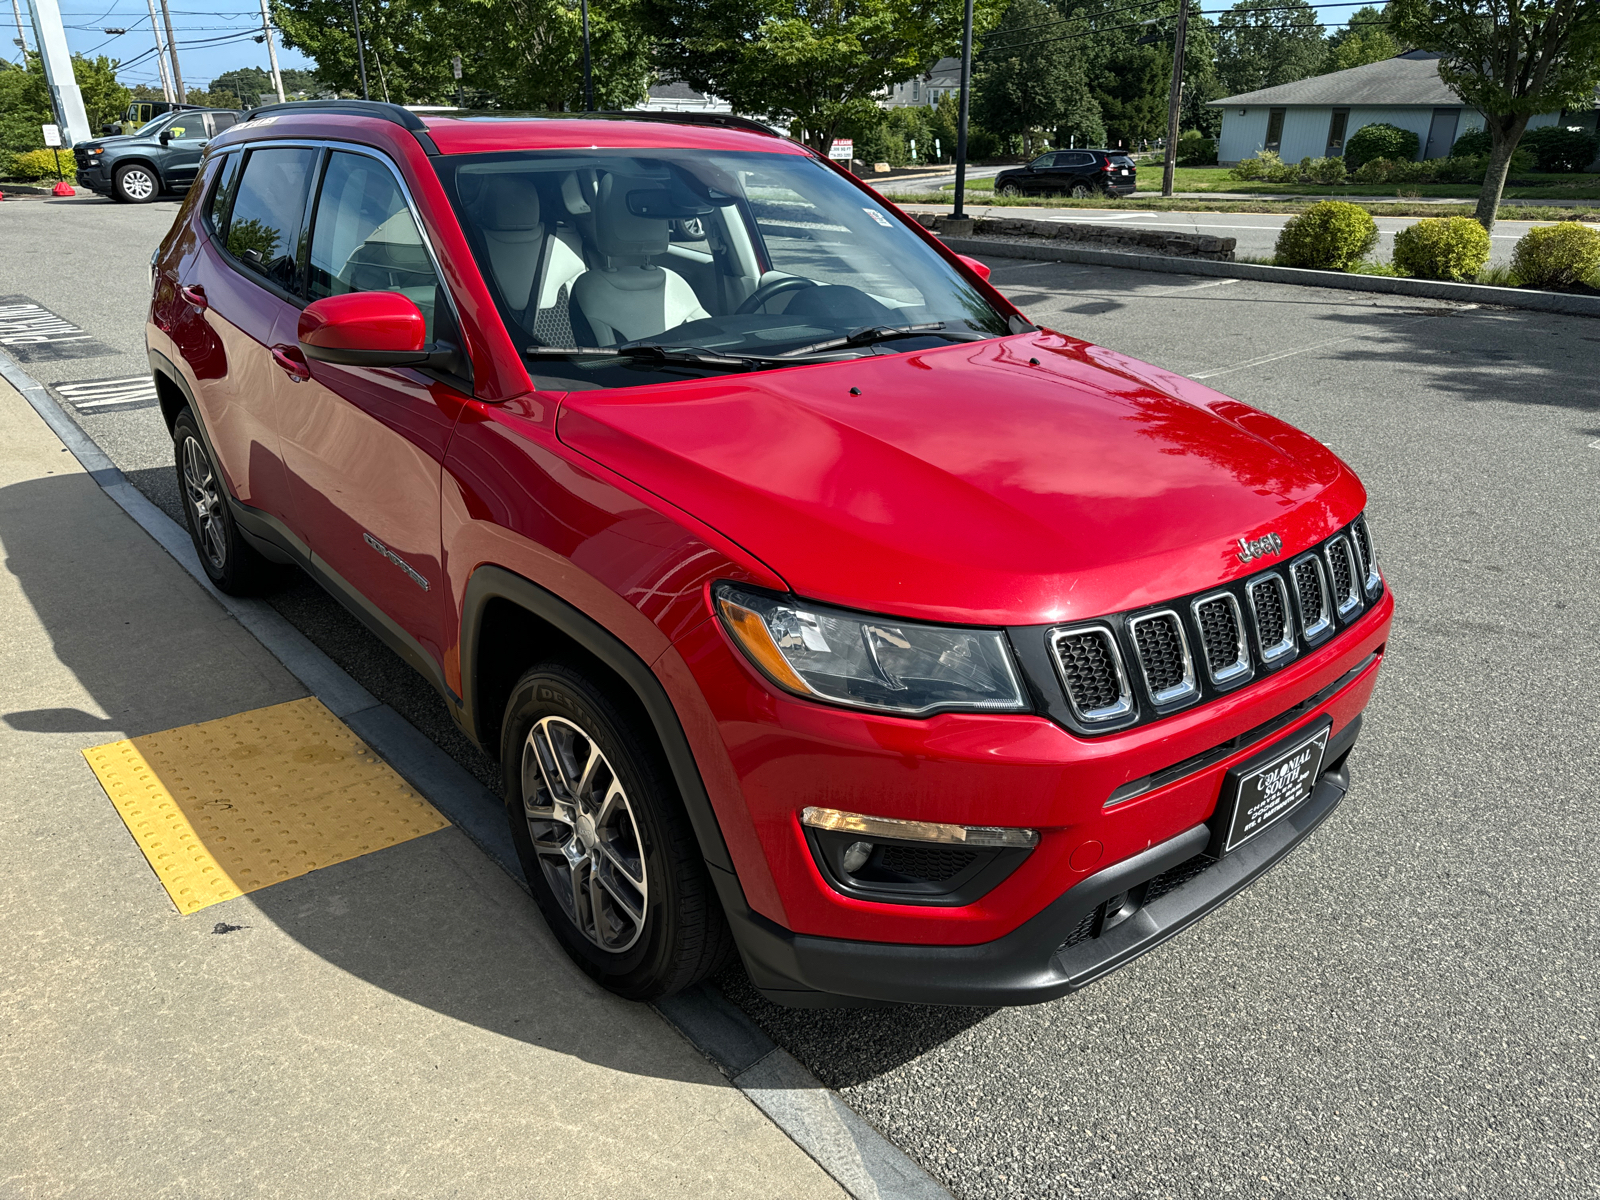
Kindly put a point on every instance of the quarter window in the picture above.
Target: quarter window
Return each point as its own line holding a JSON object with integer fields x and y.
{"x": 222, "y": 191}
{"x": 264, "y": 227}
{"x": 364, "y": 238}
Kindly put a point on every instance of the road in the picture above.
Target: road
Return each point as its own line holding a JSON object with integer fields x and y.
{"x": 1256, "y": 233}
{"x": 1406, "y": 1006}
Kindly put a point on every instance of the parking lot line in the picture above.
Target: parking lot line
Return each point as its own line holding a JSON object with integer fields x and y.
{"x": 234, "y": 805}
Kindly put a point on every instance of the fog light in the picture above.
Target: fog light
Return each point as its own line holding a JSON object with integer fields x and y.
{"x": 918, "y": 831}
{"x": 856, "y": 855}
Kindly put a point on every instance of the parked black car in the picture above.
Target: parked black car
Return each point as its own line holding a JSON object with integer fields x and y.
{"x": 1079, "y": 173}
{"x": 162, "y": 156}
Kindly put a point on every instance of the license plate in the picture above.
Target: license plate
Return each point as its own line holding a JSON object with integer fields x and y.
{"x": 1268, "y": 788}
{"x": 1124, "y": 170}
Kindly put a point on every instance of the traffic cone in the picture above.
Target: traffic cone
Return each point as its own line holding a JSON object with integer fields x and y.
{"x": 63, "y": 189}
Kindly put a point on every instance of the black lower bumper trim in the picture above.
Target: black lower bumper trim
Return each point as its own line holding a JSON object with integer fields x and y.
{"x": 1031, "y": 964}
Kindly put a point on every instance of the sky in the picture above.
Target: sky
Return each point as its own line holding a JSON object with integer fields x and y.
{"x": 214, "y": 35}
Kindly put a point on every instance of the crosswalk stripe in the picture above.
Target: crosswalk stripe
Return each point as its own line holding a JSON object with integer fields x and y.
{"x": 90, "y": 395}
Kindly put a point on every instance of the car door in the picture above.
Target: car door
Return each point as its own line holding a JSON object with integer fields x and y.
{"x": 364, "y": 446}
{"x": 238, "y": 289}
{"x": 184, "y": 145}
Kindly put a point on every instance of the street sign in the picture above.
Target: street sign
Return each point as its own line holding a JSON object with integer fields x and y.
{"x": 52, "y": 136}
{"x": 455, "y": 66}
{"x": 843, "y": 149}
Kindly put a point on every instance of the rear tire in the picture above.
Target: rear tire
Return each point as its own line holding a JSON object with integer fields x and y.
{"x": 604, "y": 840}
{"x": 135, "y": 184}
{"x": 1082, "y": 191}
{"x": 1011, "y": 189}
{"x": 231, "y": 563}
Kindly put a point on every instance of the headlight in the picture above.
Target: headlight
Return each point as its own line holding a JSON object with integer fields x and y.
{"x": 880, "y": 663}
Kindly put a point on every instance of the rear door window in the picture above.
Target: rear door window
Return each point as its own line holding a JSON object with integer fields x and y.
{"x": 364, "y": 238}
{"x": 221, "y": 121}
{"x": 269, "y": 206}
{"x": 222, "y": 192}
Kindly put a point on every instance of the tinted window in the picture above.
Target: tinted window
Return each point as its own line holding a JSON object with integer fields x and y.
{"x": 264, "y": 227}
{"x": 364, "y": 238}
{"x": 223, "y": 120}
{"x": 1083, "y": 159}
{"x": 222, "y": 190}
{"x": 1043, "y": 161}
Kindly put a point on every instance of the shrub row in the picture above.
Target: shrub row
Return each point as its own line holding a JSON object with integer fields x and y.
{"x": 1336, "y": 236}
{"x": 40, "y": 164}
{"x": 1464, "y": 168}
{"x": 1267, "y": 167}
{"x": 1553, "y": 148}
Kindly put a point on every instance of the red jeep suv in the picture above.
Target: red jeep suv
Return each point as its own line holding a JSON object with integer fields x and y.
{"x": 817, "y": 605}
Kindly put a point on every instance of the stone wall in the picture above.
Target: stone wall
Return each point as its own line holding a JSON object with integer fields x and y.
{"x": 1111, "y": 237}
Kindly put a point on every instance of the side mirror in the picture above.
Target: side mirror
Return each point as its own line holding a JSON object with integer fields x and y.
{"x": 166, "y": 136}
{"x": 981, "y": 270}
{"x": 370, "y": 329}
{"x": 109, "y": 128}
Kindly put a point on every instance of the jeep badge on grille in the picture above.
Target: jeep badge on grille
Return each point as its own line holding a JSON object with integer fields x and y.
{"x": 1267, "y": 543}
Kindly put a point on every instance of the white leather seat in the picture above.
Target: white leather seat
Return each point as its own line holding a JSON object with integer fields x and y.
{"x": 630, "y": 297}
{"x": 506, "y": 210}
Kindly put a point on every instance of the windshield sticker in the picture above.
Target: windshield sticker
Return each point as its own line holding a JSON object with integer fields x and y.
{"x": 878, "y": 217}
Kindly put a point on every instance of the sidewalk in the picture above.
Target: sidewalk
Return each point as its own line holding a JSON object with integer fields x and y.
{"x": 398, "y": 1024}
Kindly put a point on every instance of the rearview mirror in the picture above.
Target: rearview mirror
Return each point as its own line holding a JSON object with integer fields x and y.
{"x": 371, "y": 329}
{"x": 981, "y": 270}
{"x": 672, "y": 204}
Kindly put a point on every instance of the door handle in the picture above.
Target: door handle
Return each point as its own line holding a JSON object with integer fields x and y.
{"x": 195, "y": 295}
{"x": 293, "y": 362}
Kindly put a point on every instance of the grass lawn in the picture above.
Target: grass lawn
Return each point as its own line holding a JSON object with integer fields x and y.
{"x": 1554, "y": 188}
{"x": 1154, "y": 202}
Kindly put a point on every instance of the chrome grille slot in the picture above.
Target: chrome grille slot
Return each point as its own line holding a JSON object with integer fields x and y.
{"x": 1366, "y": 564}
{"x": 1343, "y": 572}
{"x": 1311, "y": 597}
{"x": 1164, "y": 657}
{"x": 1222, "y": 640}
{"x": 1090, "y": 666}
{"x": 1269, "y": 606}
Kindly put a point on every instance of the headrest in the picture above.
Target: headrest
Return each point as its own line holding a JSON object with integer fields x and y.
{"x": 620, "y": 234}
{"x": 572, "y": 195}
{"x": 507, "y": 202}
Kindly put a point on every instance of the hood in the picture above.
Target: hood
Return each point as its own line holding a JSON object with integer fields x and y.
{"x": 1018, "y": 481}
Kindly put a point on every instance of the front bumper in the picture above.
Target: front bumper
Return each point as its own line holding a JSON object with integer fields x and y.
{"x": 1035, "y": 963}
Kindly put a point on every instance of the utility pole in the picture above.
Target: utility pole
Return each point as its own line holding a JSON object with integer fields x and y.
{"x": 22, "y": 42}
{"x": 272, "y": 54}
{"x": 361, "y": 54}
{"x": 167, "y": 93}
{"x": 588, "y": 77}
{"x": 966, "y": 104}
{"x": 172, "y": 49}
{"x": 1175, "y": 99}
{"x": 65, "y": 98}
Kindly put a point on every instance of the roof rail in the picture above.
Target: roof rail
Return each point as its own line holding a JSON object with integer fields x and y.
{"x": 381, "y": 109}
{"x": 688, "y": 118}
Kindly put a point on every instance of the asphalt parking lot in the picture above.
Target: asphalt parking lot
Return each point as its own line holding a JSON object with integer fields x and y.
{"x": 1407, "y": 1005}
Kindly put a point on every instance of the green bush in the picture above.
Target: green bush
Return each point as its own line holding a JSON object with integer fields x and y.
{"x": 1453, "y": 248}
{"x": 1196, "y": 150}
{"x": 1330, "y": 236}
{"x": 1463, "y": 168}
{"x": 1557, "y": 148}
{"x": 1380, "y": 140}
{"x": 1472, "y": 143}
{"x": 1266, "y": 167}
{"x": 1557, "y": 256}
{"x": 41, "y": 164}
{"x": 1323, "y": 170}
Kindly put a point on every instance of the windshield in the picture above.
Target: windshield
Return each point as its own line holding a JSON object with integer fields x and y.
{"x": 753, "y": 260}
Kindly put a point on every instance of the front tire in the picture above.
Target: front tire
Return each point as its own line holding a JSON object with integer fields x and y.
{"x": 135, "y": 184}
{"x": 1011, "y": 189}
{"x": 231, "y": 563}
{"x": 603, "y": 838}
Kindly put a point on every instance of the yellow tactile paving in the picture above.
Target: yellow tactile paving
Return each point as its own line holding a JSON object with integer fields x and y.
{"x": 229, "y": 806}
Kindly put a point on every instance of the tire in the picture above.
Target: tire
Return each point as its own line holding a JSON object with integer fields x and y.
{"x": 135, "y": 183}
{"x": 231, "y": 563}
{"x": 604, "y": 840}
{"x": 1082, "y": 191}
{"x": 1011, "y": 189}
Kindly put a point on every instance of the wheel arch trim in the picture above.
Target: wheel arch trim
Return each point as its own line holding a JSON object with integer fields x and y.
{"x": 490, "y": 583}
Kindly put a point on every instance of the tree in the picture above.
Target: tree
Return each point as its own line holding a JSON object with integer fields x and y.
{"x": 1022, "y": 83}
{"x": 1509, "y": 59}
{"x": 814, "y": 63}
{"x": 514, "y": 53}
{"x": 1366, "y": 39}
{"x": 1127, "y": 57}
{"x": 1260, "y": 46}
{"x": 25, "y": 99}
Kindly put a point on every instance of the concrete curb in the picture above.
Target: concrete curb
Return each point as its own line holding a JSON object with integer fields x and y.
{"x": 1462, "y": 293}
{"x": 860, "y": 1159}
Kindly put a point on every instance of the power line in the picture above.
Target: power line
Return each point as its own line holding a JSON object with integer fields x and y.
{"x": 1020, "y": 38}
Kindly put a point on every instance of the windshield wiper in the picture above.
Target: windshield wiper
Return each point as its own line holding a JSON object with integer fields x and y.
{"x": 673, "y": 354}
{"x": 869, "y": 334}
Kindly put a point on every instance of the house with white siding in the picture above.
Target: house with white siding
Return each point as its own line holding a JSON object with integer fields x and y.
{"x": 1313, "y": 118}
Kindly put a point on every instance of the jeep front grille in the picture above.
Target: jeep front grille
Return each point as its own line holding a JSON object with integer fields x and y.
{"x": 1139, "y": 666}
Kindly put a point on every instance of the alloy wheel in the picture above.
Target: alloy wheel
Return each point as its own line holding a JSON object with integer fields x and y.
{"x": 584, "y": 833}
{"x": 205, "y": 502}
{"x": 1081, "y": 191}
{"x": 137, "y": 184}
{"x": 1011, "y": 189}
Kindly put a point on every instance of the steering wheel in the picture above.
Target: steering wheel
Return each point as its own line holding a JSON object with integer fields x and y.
{"x": 764, "y": 293}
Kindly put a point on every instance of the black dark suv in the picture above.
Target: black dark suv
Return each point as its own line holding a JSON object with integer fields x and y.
{"x": 1079, "y": 173}
{"x": 162, "y": 156}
